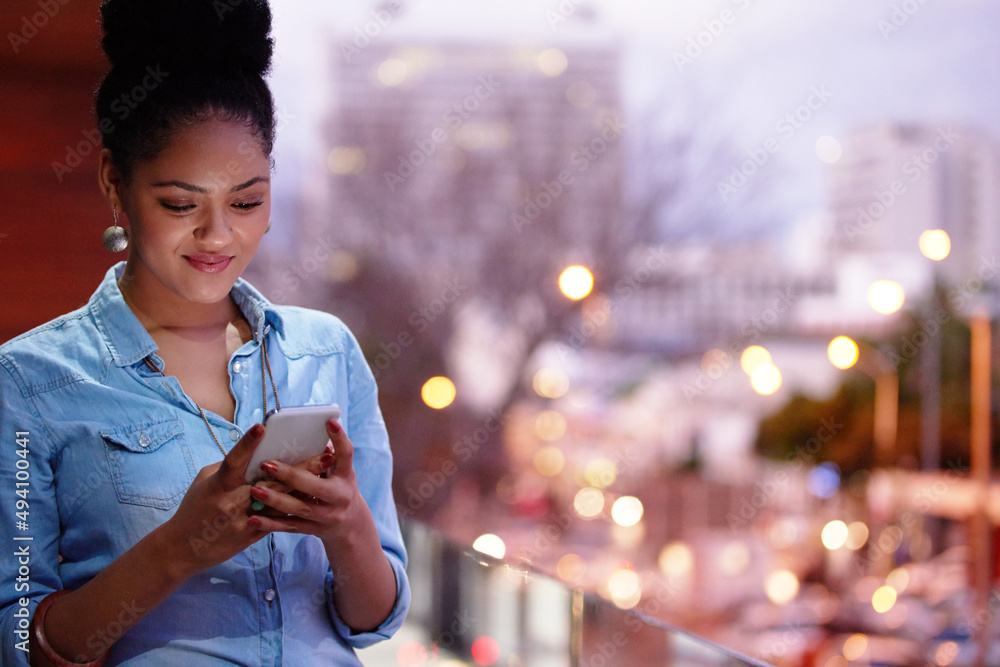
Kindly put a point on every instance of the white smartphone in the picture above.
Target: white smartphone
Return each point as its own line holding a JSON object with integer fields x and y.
{"x": 293, "y": 435}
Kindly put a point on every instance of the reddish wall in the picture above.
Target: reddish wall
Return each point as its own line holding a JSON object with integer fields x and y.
{"x": 51, "y": 257}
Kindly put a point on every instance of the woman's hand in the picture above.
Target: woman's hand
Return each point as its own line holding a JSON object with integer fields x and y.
{"x": 331, "y": 507}
{"x": 212, "y": 524}
{"x": 319, "y": 498}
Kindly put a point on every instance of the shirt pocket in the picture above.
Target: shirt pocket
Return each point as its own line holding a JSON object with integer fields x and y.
{"x": 150, "y": 463}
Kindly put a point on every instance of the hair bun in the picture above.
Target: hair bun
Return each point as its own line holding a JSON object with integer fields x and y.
{"x": 228, "y": 35}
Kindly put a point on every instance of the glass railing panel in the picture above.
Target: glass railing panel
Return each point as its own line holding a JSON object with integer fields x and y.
{"x": 467, "y": 605}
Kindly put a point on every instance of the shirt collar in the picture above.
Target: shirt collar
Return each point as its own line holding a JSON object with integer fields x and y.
{"x": 129, "y": 342}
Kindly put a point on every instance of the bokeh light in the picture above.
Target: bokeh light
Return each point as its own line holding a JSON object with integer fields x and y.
{"x": 550, "y": 383}
{"x": 883, "y": 599}
{"x": 899, "y": 579}
{"x": 857, "y": 535}
{"x": 438, "y": 392}
{"x": 766, "y": 379}
{"x": 676, "y": 559}
{"x": 886, "y": 296}
{"x": 576, "y": 282}
{"x": 549, "y": 461}
{"x": 781, "y": 586}
{"x": 945, "y": 653}
{"x": 824, "y": 480}
{"x": 855, "y": 646}
{"x": 752, "y": 357}
{"x": 571, "y": 568}
{"x": 734, "y": 558}
{"x": 842, "y": 352}
{"x": 834, "y": 535}
{"x": 715, "y": 363}
{"x": 588, "y": 502}
{"x": 627, "y": 511}
{"x": 600, "y": 473}
{"x": 412, "y": 654}
{"x": 552, "y": 62}
{"x": 485, "y": 650}
{"x": 935, "y": 244}
{"x": 550, "y": 425}
{"x": 625, "y": 587}
{"x": 392, "y": 72}
{"x": 491, "y": 545}
{"x": 346, "y": 160}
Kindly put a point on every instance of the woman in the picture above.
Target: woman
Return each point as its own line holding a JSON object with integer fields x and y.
{"x": 127, "y": 425}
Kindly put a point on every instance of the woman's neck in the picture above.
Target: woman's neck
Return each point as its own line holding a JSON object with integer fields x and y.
{"x": 160, "y": 310}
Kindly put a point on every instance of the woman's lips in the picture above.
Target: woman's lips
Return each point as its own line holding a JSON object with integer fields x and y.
{"x": 209, "y": 263}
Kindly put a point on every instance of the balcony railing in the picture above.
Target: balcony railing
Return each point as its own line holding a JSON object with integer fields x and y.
{"x": 472, "y": 609}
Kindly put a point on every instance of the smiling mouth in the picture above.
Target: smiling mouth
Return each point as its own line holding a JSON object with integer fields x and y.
{"x": 209, "y": 263}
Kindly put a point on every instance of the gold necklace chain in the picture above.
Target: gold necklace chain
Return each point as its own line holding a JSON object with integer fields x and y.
{"x": 263, "y": 389}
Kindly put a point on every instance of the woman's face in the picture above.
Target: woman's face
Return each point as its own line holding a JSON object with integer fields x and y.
{"x": 198, "y": 211}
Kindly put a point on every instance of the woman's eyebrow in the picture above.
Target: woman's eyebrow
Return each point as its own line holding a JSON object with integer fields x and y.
{"x": 201, "y": 190}
{"x": 255, "y": 179}
{"x": 180, "y": 184}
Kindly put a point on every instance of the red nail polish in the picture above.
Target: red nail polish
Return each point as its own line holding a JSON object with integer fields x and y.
{"x": 326, "y": 460}
{"x": 257, "y": 430}
{"x": 334, "y": 425}
{"x": 270, "y": 467}
{"x": 253, "y": 521}
{"x": 258, "y": 492}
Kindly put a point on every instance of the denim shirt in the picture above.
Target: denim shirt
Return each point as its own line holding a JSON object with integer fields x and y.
{"x": 101, "y": 449}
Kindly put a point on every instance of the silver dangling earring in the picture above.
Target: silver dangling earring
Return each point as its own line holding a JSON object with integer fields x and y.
{"x": 115, "y": 237}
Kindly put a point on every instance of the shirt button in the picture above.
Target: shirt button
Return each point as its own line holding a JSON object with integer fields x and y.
{"x": 237, "y": 366}
{"x": 269, "y": 594}
{"x": 144, "y": 440}
{"x": 234, "y": 435}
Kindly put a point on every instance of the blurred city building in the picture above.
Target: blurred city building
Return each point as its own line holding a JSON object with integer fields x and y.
{"x": 443, "y": 154}
{"x": 896, "y": 181}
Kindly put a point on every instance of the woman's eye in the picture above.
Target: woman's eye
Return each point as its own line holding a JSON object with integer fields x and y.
{"x": 179, "y": 208}
{"x": 247, "y": 205}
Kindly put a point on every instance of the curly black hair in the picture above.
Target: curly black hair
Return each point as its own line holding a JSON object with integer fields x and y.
{"x": 177, "y": 62}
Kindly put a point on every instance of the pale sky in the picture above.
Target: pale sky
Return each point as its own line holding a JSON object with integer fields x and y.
{"x": 938, "y": 65}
